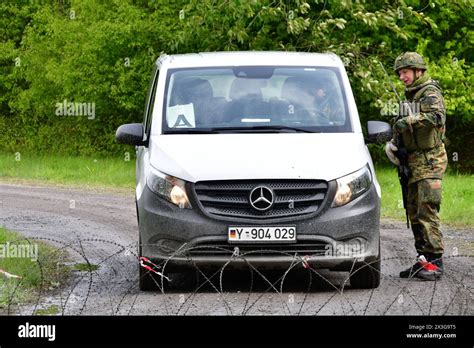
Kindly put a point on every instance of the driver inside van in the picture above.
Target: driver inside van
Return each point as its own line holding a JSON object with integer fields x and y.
{"x": 326, "y": 107}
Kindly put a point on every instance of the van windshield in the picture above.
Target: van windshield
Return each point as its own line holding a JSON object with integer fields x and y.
{"x": 255, "y": 99}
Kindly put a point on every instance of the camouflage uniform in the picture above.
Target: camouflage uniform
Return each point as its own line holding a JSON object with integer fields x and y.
{"x": 327, "y": 106}
{"x": 332, "y": 112}
{"x": 423, "y": 135}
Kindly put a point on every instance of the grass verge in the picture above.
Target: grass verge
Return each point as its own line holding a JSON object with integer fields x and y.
{"x": 28, "y": 268}
{"x": 457, "y": 208}
{"x": 63, "y": 170}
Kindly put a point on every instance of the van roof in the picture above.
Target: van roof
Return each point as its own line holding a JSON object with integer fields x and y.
{"x": 249, "y": 58}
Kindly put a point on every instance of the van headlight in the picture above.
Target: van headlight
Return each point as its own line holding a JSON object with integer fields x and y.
{"x": 351, "y": 186}
{"x": 168, "y": 187}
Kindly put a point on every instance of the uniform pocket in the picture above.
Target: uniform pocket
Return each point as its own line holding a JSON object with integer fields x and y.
{"x": 426, "y": 137}
{"x": 430, "y": 191}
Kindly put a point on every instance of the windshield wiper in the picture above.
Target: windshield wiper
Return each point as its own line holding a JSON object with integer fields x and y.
{"x": 264, "y": 128}
{"x": 216, "y": 130}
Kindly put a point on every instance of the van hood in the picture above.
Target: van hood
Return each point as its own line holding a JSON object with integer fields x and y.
{"x": 197, "y": 157}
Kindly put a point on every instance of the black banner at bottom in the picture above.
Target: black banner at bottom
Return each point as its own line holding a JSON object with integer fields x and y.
{"x": 42, "y": 331}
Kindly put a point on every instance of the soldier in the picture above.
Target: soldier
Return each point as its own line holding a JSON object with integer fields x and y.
{"x": 325, "y": 105}
{"x": 422, "y": 133}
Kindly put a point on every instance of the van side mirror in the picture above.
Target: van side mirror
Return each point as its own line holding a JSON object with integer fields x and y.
{"x": 378, "y": 132}
{"x": 130, "y": 134}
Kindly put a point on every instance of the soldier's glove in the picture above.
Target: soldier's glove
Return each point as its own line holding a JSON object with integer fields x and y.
{"x": 390, "y": 150}
{"x": 406, "y": 122}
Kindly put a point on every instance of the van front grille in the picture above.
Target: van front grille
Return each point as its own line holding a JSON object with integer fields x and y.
{"x": 225, "y": 249}
{"x": 231, "y": 198}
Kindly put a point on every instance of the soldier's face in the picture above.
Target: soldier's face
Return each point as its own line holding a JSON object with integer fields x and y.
{"x": 320, "y": 93}
{"x": 407, "y": 76}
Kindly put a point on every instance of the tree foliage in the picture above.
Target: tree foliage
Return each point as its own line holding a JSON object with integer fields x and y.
{"x": 101, "y": 52}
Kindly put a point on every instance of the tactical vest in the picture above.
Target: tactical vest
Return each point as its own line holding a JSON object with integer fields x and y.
{"x": 423, "y": 138}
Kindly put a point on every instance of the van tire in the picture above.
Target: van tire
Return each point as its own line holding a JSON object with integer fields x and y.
{"x": 367, "y": 276}
{"x": 147, "y": 281}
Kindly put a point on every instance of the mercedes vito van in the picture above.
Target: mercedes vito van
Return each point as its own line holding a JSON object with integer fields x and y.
{"x": 255, "y": 158}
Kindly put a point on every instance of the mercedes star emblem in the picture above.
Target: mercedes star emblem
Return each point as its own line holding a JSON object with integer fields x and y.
{"x": 261, "y": 198}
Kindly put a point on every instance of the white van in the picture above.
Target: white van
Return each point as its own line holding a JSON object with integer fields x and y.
{"x": 255, "y": 158}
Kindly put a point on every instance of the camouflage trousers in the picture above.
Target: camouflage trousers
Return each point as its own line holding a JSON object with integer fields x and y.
{"x": 424, "y": 200}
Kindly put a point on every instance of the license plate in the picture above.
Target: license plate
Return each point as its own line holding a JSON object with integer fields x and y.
{"x": 281, "y": 234}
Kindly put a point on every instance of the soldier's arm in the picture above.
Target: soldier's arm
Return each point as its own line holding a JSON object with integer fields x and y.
{"x": 432, "y": 112}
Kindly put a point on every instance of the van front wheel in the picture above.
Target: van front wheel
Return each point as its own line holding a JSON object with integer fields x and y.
{"x": 147, "y": 280}
{"x": 366, "y": 276}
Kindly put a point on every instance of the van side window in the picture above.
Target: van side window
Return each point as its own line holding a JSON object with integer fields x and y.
{"x": 150, "y": 101}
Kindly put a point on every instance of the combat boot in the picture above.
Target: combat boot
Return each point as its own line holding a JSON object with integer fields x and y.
{"x": 424, "y": 269}
{"x": 437, "y": 259}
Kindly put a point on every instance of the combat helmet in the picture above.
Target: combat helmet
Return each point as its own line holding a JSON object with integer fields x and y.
{"x": 409, "y": 60}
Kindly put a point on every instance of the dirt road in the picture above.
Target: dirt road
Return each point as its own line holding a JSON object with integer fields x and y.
{"x": 100, "y": 228}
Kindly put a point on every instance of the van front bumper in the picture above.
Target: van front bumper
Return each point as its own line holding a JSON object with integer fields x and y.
{"x": 338, "y": 238}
